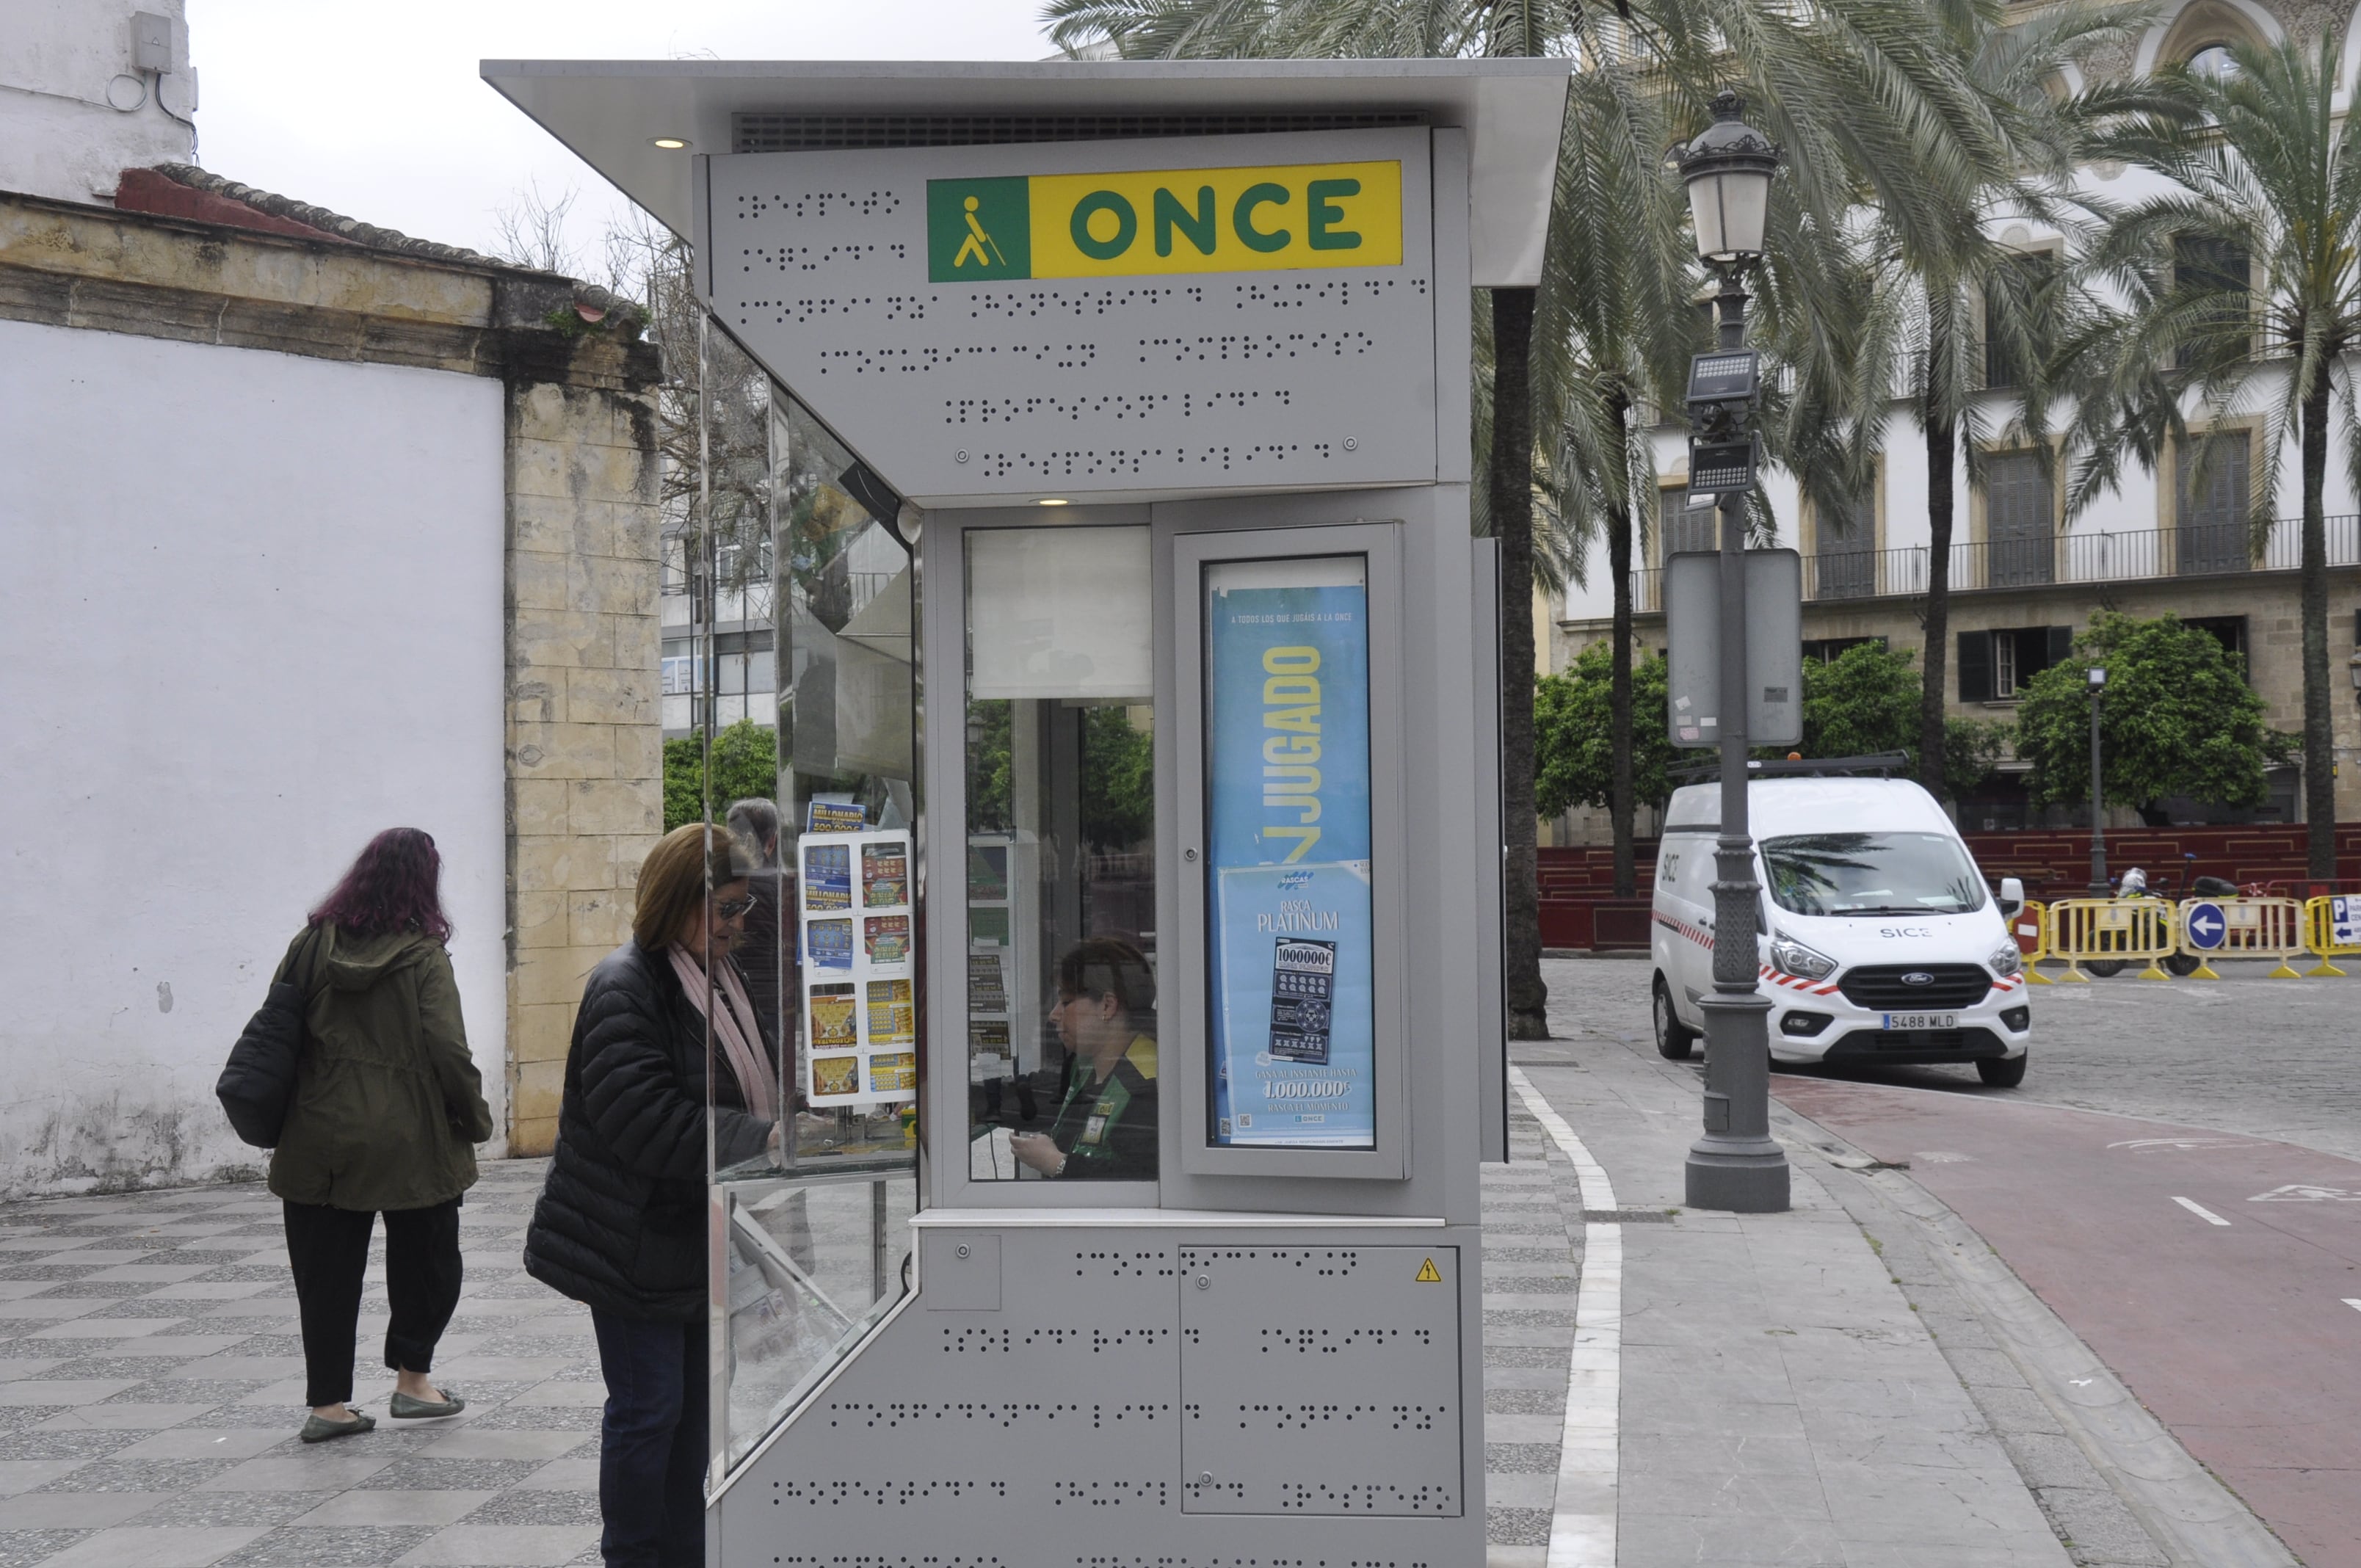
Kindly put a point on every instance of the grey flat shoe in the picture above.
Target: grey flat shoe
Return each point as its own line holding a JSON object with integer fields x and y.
{"x": 404, "y": 1409}
{"x": 318, "y": 1431}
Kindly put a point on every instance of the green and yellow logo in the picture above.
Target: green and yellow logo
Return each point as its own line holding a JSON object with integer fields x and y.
{"x": 978, "y": 230}
{"x": 1274, "y": 219}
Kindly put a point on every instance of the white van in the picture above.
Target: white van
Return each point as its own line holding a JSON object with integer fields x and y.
{"x": 1879, "y": 941}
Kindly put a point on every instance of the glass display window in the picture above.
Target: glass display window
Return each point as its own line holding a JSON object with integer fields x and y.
{"x": 1064, "y": 1070}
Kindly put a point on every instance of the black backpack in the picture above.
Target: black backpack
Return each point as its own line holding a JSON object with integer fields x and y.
{"x": 258, "y": 1082}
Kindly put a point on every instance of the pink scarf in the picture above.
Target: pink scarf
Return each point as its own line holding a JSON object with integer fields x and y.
{"x": 733, "y": 1025}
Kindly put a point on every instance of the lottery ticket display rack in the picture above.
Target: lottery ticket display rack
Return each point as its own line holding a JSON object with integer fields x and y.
{"x": 1004, "y": 956}
{"x": 860, "y": 969}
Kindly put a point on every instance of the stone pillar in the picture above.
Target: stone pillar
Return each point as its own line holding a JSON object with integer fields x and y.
{"x": 585, "y": 730}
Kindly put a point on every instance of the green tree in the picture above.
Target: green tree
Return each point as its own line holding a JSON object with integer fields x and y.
{"x": 1118, "y": 778}
{"x": 1574, "y": 747}
{"x": 2240, "y": 284}
{"x": 2177, "y": 718}
{"x": 745, "y": 765}
{"x": 1864, "y": 702}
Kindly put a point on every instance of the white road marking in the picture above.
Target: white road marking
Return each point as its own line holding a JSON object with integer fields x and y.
{"x": 1582, "y": 1522}
{"x": 2143, "y": 1145}
{"x": 2202, "y": 1213}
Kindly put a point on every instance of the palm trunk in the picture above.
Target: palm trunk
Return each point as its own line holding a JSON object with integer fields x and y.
{"x": 1512, "y": 497}
{"x": 1619, "y": 804}
{"x": 2318, "y": 723}
{"x": 1942, "y": 452}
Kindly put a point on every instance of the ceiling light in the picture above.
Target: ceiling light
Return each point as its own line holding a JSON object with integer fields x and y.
{"x": 1052, "y": 502}
{"x": 670, "y": 144}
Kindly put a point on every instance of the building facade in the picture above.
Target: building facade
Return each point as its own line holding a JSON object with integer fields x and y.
{"x": 307, "y": 530}
{"x": 2025, "y": 578}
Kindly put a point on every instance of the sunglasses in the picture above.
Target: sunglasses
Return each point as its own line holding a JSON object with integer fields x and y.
{"x": 731, "y": 908}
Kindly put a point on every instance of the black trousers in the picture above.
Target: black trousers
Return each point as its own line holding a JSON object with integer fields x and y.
{"x": 328, "y": 1249}
{"x": 653, "y": 1442}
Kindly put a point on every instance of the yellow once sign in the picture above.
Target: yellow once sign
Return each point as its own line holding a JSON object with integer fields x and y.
{"x": 1284, "y": 218}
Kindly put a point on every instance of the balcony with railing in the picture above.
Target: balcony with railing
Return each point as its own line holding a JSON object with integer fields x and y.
{"x": 2087, "y": 557}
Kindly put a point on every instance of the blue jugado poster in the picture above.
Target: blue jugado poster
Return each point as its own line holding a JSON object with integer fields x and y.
{"x": 1293, "y": 1023}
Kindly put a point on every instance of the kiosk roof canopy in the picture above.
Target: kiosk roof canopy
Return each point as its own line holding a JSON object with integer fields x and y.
{"x": 611, "y": 112}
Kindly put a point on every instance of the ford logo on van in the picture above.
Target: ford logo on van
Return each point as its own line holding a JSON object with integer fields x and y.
{"x": 1917, "y": 976}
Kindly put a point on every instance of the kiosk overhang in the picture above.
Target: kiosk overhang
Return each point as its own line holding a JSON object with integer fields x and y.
{"x": 613, "y": 113}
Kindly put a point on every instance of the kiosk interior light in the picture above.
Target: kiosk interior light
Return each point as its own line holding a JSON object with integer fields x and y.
{"x": 1053, "y": 502}
{"x": 670, "y": 144}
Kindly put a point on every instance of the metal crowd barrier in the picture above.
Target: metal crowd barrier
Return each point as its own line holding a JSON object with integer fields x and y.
{"x": 2109, "y": 931}
{"x": 2243, "y": 927}
{"x": 2333, "y": 930}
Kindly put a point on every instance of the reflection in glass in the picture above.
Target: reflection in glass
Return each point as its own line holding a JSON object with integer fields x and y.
{"x": 1872, "y": 873}
{"x": 1062, "y": 1066}
{"x": 811, "y": 1233}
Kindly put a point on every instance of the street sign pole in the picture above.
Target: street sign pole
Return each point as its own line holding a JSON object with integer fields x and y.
{"x": 1736, "y": 1165}
{"x": 2100, "y": 886}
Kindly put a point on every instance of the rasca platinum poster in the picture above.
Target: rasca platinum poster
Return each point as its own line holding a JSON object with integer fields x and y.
{"x": 1288, "y": 738}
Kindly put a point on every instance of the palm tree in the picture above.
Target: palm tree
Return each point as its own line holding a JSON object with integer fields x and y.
{"x": 1614, "y": 329}
{"x": 2241, "y": 285}
{"x": 1923, "y": 311}
{"x": 1871, "y": 100}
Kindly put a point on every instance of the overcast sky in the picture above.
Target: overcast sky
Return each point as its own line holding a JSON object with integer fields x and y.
{"x": 377, "y": 111}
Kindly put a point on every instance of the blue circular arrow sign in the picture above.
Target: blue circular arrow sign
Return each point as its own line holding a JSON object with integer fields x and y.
{"x": 2206, "y": 926}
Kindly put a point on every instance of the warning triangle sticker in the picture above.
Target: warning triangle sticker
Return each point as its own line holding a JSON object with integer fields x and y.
{"x": 1427, "y": 1275}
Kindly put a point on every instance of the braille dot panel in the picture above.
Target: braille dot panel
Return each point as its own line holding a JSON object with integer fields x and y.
{"x": 1203, "y": 381}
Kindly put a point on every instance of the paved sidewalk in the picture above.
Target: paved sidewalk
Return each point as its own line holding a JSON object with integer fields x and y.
{"x": 151, "y": 1387}
{"x": 1780, "y": 1400}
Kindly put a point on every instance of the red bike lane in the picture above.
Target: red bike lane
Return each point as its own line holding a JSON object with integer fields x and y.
{"x": 2216, "y": 1274}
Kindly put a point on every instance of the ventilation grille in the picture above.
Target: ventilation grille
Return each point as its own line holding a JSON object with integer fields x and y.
{"x": 759, "y": 132}
{"x": 1882, "y": 987}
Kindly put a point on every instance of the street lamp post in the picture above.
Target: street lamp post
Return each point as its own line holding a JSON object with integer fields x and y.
{"x": 1736, "y": 1165}
{"x": 2100, "y": 886}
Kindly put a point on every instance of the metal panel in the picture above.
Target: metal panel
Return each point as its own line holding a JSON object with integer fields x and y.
{"x": 1051, "y": 1431}
{"x": 1775, "y": 647}
{"x": 611, "y": 112}
{"x": 1075, "y": 387}
{"x": 1320, "y": 1380}
{"x": 1491, "y": 979}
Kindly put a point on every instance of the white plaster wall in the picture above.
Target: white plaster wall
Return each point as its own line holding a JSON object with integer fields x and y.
{"x": 59, "y": 134}
{"x": 251, "y": 613}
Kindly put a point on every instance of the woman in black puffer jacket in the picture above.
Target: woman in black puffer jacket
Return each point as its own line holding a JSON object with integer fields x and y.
{"x": 620, "y": 1224}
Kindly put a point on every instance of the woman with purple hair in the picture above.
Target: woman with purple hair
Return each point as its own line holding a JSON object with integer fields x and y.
{"x": 387, "y": 1111}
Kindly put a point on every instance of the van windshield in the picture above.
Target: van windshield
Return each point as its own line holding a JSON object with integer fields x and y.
{"x": 1872, "y": 873}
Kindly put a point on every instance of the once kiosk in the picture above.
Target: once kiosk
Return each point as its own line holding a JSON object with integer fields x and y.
{"x": 1084, "y": 517}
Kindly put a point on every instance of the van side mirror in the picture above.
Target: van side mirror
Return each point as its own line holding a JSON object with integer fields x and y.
{"x": 2012, "y": 896}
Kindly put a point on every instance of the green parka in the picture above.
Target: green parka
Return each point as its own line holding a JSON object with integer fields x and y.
{"x": 389, "y": 1105}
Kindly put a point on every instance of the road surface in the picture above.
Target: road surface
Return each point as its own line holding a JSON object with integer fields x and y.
{"x": 2174, "y": 1179}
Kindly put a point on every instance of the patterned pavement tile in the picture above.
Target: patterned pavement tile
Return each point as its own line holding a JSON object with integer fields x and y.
{"x": 450, "y": 1474}
{"x": 299, "y": 1546}
{"x": 142, "y": 1476}
{"x": 222, "y": 1508}
{"x": 538, "y": 1507}
{"x": 26, "y": 1548}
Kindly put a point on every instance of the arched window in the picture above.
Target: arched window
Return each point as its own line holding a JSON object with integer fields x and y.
{"x": 2215, "y": 62}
